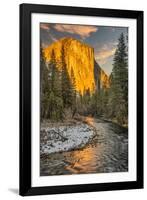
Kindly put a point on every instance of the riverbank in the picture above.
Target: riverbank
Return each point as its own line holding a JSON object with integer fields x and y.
{"x": 64, "y": 136}
{"x": 106, "y": 152}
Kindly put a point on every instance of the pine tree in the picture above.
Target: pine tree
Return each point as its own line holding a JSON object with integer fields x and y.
{"x": 73, "y": 88}
{"x": 118, "y": 99}
{"x": 44, "y": 86}
{"x": 66, "y": 82}
{"x": 55, "y": 109}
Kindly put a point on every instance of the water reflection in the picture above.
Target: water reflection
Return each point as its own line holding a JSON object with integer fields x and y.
{"x": 108, "y": 152}
{"x": 82, "y": 161}
{"x": 89, "y": 120}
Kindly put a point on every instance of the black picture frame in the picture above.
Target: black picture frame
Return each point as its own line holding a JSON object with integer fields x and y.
{"x": 25, "y": 187}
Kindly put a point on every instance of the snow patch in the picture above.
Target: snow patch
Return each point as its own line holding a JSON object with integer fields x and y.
{"x": 64, "y": 138}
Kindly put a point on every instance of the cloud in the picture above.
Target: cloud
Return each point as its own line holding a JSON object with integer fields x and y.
{"x": 43, "y": 45}
{"x": 53, "y": 38}
{"x": 81, "y": 30}
{"x": 45, "y": 27}
{"x": 105, "y": 53}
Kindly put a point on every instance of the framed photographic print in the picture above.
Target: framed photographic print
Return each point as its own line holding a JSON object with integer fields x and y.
{"x": 81, "y": 99}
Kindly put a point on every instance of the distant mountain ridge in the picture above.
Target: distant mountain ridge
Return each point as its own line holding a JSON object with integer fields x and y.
{"x": 79, "y": 57}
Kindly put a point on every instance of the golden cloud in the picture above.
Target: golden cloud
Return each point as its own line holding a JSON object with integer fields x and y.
{"x": 103, "y": 55}
{"x": 83, "y": 31}
{"x": 44, "y": 26}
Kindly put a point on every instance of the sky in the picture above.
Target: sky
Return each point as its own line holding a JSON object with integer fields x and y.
{"x": 103, "y": 39}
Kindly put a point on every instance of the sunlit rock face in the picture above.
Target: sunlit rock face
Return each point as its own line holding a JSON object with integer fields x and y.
{"x": 79, "y": 57}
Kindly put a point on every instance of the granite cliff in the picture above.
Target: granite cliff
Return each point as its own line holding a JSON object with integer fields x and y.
{"x": 79, "y": 57}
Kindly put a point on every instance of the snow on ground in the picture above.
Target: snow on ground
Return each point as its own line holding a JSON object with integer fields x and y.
{"x": 64, "y": 138}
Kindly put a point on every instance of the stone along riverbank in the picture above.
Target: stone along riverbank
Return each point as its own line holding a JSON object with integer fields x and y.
{"x": 102, "y": 147}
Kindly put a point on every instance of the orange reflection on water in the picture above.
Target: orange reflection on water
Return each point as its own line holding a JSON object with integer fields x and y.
{"x": 89, "y": 120}
{"x": 86, "y": 159}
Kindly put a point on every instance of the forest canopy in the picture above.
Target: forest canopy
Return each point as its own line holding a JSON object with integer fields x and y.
{"x": 60, "y": 100}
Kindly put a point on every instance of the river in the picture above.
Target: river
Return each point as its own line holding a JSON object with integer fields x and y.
{"x": 108, "y": 152}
